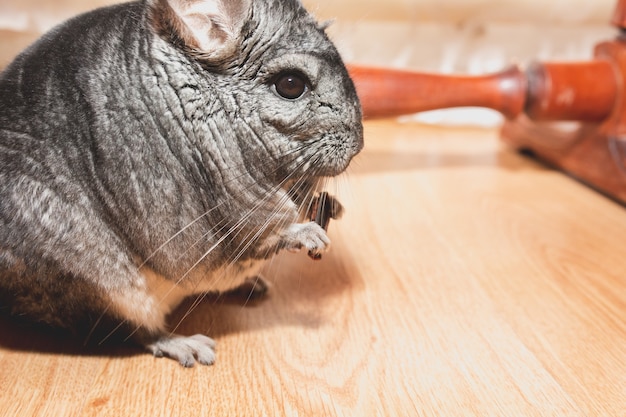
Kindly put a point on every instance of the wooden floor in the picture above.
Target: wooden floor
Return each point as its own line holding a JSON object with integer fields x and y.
{"x": 464, "y": 280}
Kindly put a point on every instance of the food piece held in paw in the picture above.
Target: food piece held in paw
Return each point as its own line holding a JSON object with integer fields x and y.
{"x": 321, "y": 214}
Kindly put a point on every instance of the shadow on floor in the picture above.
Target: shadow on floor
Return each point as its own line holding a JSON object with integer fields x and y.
{"x": 299, "y": 288}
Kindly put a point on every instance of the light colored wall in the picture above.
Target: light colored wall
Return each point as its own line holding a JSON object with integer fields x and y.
{"x": 42, "y": 13}
{"x": 553, "y": 11}
{"x": 442, "y": 35}
{"x": 465, "y": 35}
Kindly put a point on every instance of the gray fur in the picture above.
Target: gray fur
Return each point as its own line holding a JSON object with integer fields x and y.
{"x": 146, "y": 139}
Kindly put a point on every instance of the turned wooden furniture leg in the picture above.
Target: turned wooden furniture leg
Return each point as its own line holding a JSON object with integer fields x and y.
{"x": 590, "y": 95}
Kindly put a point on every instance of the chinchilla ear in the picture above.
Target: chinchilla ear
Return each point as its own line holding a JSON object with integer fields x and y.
{"x": 209, "y": 28}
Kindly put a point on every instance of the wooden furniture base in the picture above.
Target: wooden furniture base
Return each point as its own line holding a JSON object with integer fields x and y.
{"x": 595, "y": 153}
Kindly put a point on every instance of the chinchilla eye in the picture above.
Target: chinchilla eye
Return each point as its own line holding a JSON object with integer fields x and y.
{"x": 290, "y": 85}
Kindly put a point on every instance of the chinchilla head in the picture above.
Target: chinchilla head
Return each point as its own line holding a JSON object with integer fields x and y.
{"x": 286, "y": 103}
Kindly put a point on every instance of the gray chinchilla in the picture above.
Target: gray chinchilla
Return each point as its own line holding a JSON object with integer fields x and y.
{"x": 155, "y": 150}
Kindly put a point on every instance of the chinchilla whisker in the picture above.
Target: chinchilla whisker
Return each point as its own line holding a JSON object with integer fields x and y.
{"x": 200, "y": 298}
{"x": 248, "y": 239}
{"x": 95, "y": 325}
{"x": 174, "y": 236}
{"x": 252, "y": 238}
{"x": 239, "y": 253}
{"x": 234, "y": 228}
{"x": 212, "y": 232}
{"x": 247, "y": 215}
{"x": 294, "y": 152}
{"x": 196, "y": 302}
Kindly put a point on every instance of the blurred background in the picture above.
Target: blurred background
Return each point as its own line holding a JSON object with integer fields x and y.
{"x": 444, "y": 36}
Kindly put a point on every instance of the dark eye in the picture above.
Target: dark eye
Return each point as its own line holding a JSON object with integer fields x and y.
{"x": 290, "y": 85}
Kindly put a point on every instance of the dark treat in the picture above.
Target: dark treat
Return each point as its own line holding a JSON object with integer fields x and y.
{"x": 321, "y": 214}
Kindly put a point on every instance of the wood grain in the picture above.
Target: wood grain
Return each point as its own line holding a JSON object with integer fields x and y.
{"x": 464, "y": 280}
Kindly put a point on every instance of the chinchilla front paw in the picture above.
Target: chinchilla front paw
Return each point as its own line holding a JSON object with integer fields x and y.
{"x": 310, "y": 236}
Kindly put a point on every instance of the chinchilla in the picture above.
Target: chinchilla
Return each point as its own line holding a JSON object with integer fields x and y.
{"x": 155, "y": 150}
